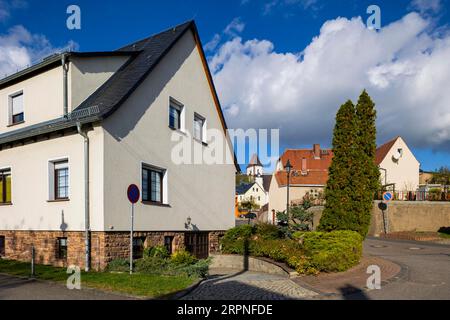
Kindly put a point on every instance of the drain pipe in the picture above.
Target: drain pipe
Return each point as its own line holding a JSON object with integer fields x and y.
{"x": 86, "y": 197}
{"x": 65, "y": 67}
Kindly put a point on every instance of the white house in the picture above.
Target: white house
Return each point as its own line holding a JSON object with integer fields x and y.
{"x": 399, "y": 169}
{"x": 78, "y": 128}
{"x": 251, "y": 192}
{"x": 258, "y": 189}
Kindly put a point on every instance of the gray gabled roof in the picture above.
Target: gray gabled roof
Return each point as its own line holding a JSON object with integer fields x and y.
{"x": 120, "y": 86}
{"x": 144, "y": 56}
{"x": 243, "y": 188}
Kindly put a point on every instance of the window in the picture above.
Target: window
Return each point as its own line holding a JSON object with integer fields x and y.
{"x": 168, "y": 244}
{"x": 61, "y": 248}
{"x": 58, "y": 180}
{"x": 176, "y": 115}
{"x": 16, "y": 108}
{"x": 152, "y": 184}
{"x": 199, "y": 127}
{"x": 2, "y": 246}
{"x": 5, "y": 186}
{"x": 61, "y": 180}
{"x": 138, "y": 247}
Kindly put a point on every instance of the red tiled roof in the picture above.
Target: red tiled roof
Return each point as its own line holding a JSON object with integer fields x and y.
{"x": 317, "y": 168}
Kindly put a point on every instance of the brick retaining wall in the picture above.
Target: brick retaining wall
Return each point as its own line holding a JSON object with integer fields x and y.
{"x": 105, "y": 246}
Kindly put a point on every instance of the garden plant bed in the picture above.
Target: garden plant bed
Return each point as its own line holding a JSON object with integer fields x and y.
{"x": 138, "y": 285}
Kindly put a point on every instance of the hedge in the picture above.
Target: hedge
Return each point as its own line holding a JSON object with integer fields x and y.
{"x": 307, "y": 252}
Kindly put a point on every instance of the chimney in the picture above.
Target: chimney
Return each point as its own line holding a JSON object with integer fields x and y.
{"x": 316, "y": 151}
{"x": 304, "y": 167}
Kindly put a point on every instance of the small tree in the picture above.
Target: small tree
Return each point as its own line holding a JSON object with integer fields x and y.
{"x": 249, "y": 205}
{"x": 301, "y": 218}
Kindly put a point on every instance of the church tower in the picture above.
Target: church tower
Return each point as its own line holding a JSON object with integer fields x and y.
{"x": 255, "y": 168}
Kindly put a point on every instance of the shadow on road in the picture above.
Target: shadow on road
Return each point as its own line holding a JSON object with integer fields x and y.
{"x": 350, "y": 292}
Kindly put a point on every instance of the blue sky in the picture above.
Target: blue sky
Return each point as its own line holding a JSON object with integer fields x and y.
{"x": 285, "y": 42}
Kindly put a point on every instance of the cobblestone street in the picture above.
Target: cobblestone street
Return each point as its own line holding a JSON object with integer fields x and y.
{"x": 228, "y": 285}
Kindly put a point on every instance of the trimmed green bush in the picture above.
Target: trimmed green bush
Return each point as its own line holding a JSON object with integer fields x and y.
{"x": 332, "y": 251}
{"x": 267, "y": 231}
{"x": 307, "y": 252}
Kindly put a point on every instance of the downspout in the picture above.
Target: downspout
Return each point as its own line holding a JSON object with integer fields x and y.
{"x": 87, "y": 230}
{"x": 65, "y": 67}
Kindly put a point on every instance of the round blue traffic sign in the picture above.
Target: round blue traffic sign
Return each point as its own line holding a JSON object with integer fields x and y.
{"x": 133, "y": 193}
{"x": 387, "y": 196}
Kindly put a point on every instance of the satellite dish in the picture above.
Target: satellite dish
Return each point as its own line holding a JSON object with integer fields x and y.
{"x": 397, "y": 156}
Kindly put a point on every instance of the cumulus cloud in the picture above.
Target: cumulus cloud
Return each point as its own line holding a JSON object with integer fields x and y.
{"x": 20, "y": 48}
{"x": 404, "y": 67}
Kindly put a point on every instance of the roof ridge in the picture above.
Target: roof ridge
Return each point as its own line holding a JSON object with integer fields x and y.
{"x": 188, "y": 22}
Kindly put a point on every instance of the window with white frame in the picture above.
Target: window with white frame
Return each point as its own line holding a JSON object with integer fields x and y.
{"x": 16, "y": 108}
{"x": 199, "y": 128}
{"x": 59, "y": 180}
{"x": 176, "y": 115}
{"x": 154, "y": 185}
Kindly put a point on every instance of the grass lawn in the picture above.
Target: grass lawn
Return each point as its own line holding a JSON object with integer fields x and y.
{"x": 142, "y": 285}
{"x": 444, "y": 235}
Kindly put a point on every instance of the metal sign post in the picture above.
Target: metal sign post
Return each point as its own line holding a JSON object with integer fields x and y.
{"x": 387, "y": 197}
{"x": 133, "y": 196}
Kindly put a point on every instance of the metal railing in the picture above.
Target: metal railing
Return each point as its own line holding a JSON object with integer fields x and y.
{"x": 417, "y": 195}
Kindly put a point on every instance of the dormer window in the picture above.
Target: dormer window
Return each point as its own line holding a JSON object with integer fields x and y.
{"x": 16, "y": 108}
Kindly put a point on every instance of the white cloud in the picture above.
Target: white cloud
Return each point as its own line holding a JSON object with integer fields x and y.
{"x": 424, "y": 6}
{"x": 404, "y": 67}
{"x": 212, "y": 44}
{"x": 235, "y": 27}
{"x": 20, "y": 48}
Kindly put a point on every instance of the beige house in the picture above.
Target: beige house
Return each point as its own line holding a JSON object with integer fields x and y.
{"x": 399, "y": 169}
{"x": 78, "y": 128}
{"x": 308, "y": 177}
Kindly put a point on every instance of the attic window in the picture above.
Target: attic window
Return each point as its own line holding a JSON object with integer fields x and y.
{"x": 16, "y": 108}
{"x": 176, "y": 115}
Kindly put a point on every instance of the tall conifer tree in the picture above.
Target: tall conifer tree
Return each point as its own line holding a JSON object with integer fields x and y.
{"x": 366, "y": 179}
{"x": 338, "y": 193}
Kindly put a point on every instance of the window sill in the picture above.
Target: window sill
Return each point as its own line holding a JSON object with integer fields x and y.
{"x": 6, "y": 204}
{"x": 156, "y": 204}
{"x": 178, "y": 131}
{"x": 58, "y": 200}
{"x": 15, "y": 124}
{"x": 200, "y": 141}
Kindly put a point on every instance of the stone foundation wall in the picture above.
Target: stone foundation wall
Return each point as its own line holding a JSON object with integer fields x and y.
{"x": 105, "y": 246}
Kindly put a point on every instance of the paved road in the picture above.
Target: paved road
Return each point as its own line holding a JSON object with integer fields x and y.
{"x": 426, "y": 270}
{"x": 235, "y": 285}
{"x": 12, "y": 288}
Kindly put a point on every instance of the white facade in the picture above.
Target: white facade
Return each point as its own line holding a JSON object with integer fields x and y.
{"x": 255, "y": 193}
{"x": 136, "y": 134}
{"x": 400, "y": 167}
